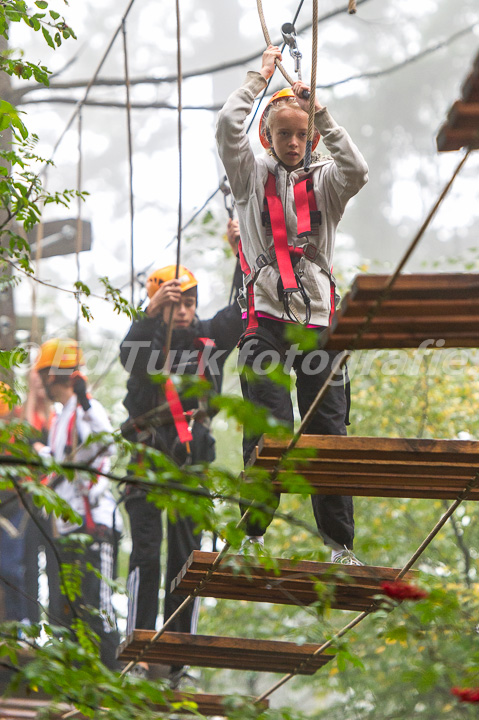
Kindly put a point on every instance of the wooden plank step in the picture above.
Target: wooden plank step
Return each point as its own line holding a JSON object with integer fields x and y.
{"x": 421, "y": 308}
{"x": 449, "y": 139}
{"x": 28, "y": 709}
{"x": 410, "y": 340}
{"x": 430, "y": 327}
{"x": 13, "y": 708}
{"x": 461, "y": 128}
{"x": 375, "y": 467}
{"x": 406, "y": 307}
{"x": 470, "y": 86}
{"x": 223, "y": 652}
{"x": 464, "y": 115}
{"x": 207, "y": 704}
{"x": 414, "y": 286}
{"x": 350, "y": 587}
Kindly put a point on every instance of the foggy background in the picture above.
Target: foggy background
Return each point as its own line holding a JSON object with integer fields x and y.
{"x": 388, "y": 74}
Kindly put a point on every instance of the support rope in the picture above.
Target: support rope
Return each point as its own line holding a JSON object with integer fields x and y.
{"x": 312, "y": 92}
{"x": 79, "y": 237}
{"x": 130, "y": 162}
{"x": 268, "y": 42}
{"x": 79, "y": 244}
{"x": 169, "y": 329}
{"x": 197, "y": 590}
{"x": 34, "y": 330}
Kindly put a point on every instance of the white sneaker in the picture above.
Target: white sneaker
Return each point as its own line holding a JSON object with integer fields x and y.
{"x": 139, "y": 671}
{"x": 346, "y": 557}
{"x": 249, "y": 543}
{"x": 181, "y": 678}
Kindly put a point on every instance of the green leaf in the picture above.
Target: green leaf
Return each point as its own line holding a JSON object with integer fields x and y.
{"x": 4, "y": 122}
{"x": 79, "y": 285}
{"x": 34, "y": 22}
{"x": 42, "y": 4}
{"x": 12, "y": 14}
{"x": 9, "y": 118}
{"x": 48, "y": 37}
{"x": 12, "y": 358}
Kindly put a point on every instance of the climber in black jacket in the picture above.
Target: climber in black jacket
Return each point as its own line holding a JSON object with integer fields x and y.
{"x": 197, "y": 347}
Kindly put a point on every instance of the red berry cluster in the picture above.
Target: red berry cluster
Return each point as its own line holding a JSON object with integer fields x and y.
{"x": 403, "y": 591}
{"x": 466, "y": 694}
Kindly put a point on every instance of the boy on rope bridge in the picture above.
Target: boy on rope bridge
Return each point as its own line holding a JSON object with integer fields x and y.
{"x": 198, "y": 347}
{"x": 288, "y": 221}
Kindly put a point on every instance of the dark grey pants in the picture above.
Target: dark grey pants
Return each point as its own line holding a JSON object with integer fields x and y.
{"x": 333, "y": 513}
{"x": 146, "y": 534}
{"x": 96, "y": 593}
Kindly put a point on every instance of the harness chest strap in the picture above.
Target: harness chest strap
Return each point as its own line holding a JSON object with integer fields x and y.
{"x": 306, "y": 209}
{"x": 173, "y": 398}
{"x": 280, "y": 235}
{"x": 89, "y": 522}
{"x": 305, "y": 206}
{"x": 176, "y": 409}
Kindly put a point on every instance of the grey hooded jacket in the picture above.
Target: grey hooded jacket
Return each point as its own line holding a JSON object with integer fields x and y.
{"x": 335, "y": 180}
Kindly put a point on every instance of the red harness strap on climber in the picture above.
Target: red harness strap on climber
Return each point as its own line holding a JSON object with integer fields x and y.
{"x": 252, "y": 320}
{"x": 176, "y": 409}
{"x": 201, "y": 343}
{"x": 280, "y": 235}
{"x": 89, "y": 522}
{"x": 173, "y": 398}
{"x": 306, "y": 213}
{"x": 305, "y": 206}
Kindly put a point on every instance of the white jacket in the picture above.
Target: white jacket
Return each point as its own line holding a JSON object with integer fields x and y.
{"x": 100, "y": 499}
{"x": 335, "y": 180}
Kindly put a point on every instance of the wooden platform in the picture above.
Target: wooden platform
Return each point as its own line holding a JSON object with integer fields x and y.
{"x": 461, "y": 128}
{"x": 28, "y": 709}
{"x": 421, "y": 307}
{"x": 349, "y": 587}
{"x": 223, "y": 652}
{"x": 377, "y": 467}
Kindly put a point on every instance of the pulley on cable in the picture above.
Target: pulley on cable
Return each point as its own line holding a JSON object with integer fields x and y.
{"x": 289, "y": 36}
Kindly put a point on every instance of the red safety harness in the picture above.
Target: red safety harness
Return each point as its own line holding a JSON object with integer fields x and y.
{"x": 89, "y": 522}
{"x": 173, "y": 399}
{"x": 274, "y": 220}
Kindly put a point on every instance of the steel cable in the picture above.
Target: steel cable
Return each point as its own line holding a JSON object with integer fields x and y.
{"x": 130, "y": 161}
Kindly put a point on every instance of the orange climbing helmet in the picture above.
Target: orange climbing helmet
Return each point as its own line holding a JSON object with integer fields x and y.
{"x": 5, "y": 408}
{"x": 186, "y": 278}
{"x": 264, "y": 135}
{"x": 58, "y": 353}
